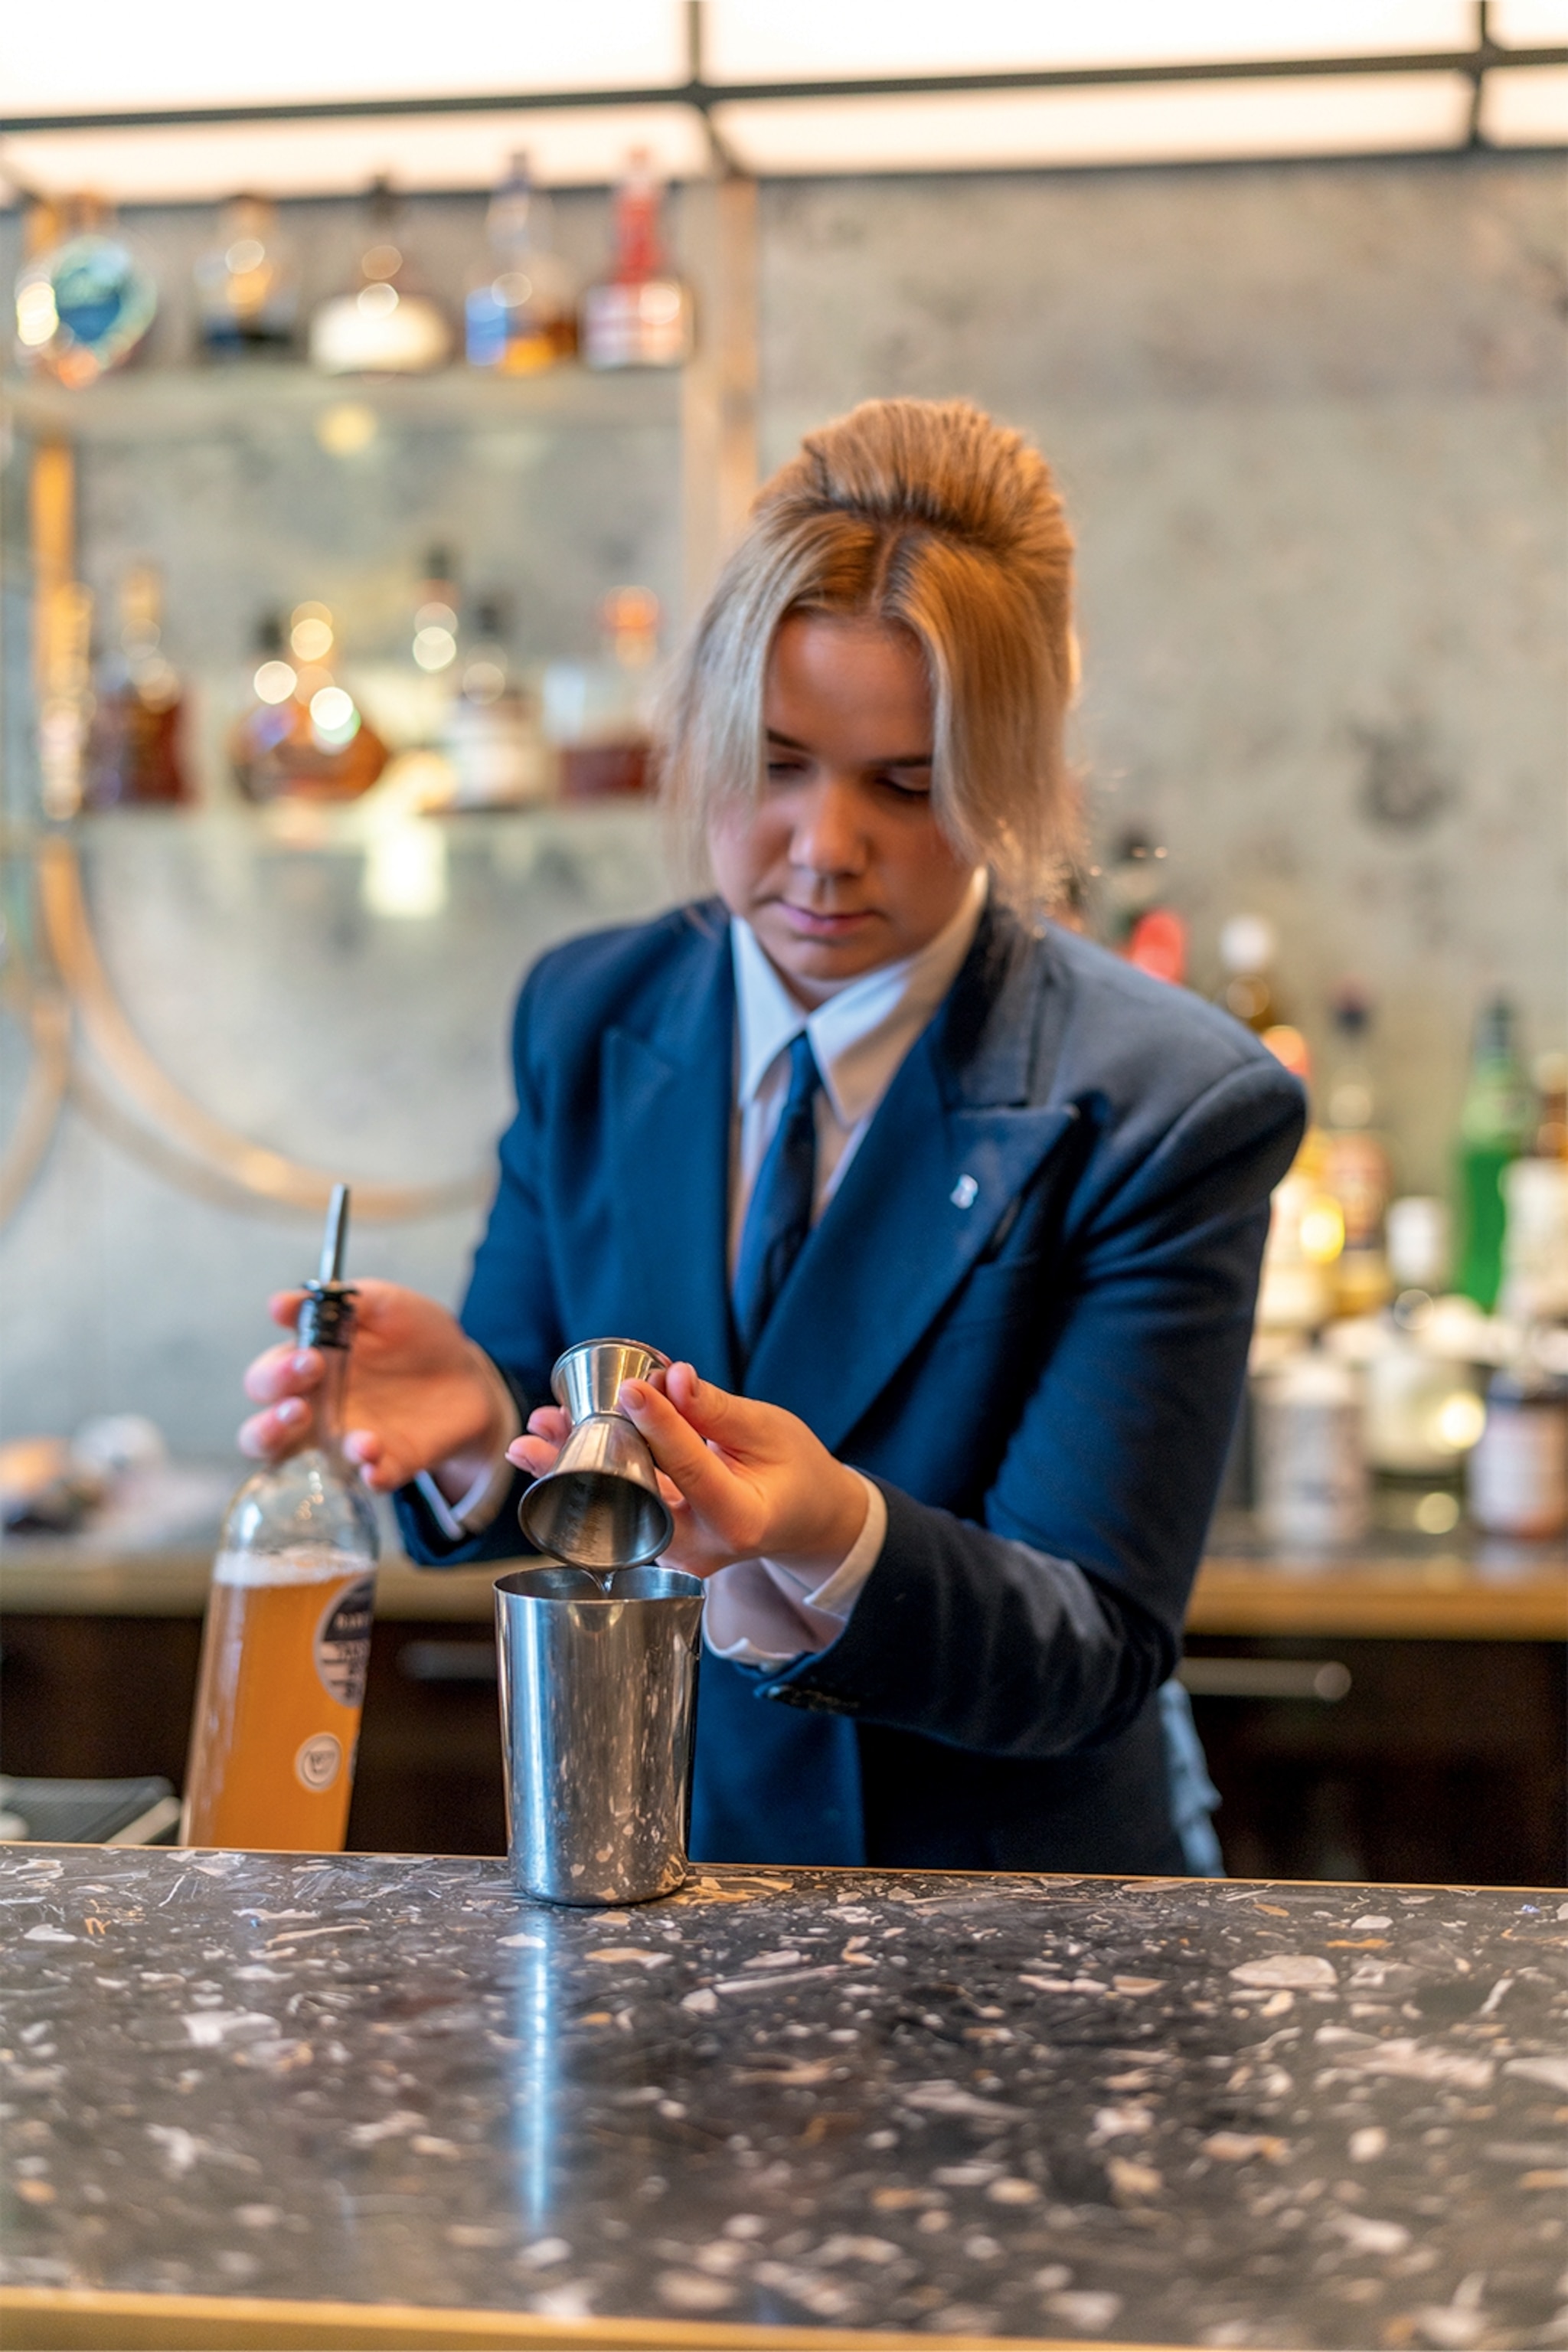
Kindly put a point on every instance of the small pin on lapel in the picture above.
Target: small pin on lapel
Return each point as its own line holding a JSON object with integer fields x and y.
{"x": 965, "y": 1194}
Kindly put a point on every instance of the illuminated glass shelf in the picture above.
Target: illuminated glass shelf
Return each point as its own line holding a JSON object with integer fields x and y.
{"x": 172, "y": 404}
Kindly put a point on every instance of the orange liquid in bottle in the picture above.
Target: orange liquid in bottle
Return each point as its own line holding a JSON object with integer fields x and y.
{"x": 284, "y": 1655}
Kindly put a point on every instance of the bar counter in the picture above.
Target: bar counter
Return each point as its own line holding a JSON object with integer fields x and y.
{"x": 375, "y": 2099}
{"x": 1427, "y": 1592}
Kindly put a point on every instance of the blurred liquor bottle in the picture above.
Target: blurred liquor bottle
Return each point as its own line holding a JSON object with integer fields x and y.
{"x": 1312, "y": 1485}
{"x": 133, "y": 750}
{"x": 386, "y": 323}
{"x": 1419, "y": 1245}
{"x": 62, "y": 625}
{"x": 492, "y": 737}
{"x": 1519, "y": 1470}
{"x": 599, "y": 714}
{"x": 1422, "y": 1409}
{"x": 1158, "y": 945}
{"x": 1306, "y": 1226}
{"x": 640, "y": 316}
{"x": 1535, "y": 1190}
{"x": 1355, "y": 1162}
{"x": 521, "y": 313}
{"x": 1151, "y": 935}
{"x": 84, "y": 302}
{"x": 1494, "y": 1127}
{"x": 1248, "y": 948}
{"x": 247, "y": 289}
{"x": 1135, "y": 883}
{"x": 304, "y": 735}
{"x": 407, "y": 692}
{"x": 1551, "y": 1138}
{"x": 434, "y": 643}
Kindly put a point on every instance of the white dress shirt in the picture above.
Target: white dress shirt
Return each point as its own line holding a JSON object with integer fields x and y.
{"x": 759, "y": 1613}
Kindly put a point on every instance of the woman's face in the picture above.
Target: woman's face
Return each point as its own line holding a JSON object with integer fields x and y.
{"x": 840, "y": 864}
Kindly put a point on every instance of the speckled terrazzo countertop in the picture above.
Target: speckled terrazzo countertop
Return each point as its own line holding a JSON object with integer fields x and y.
{"x": 1156, "y": 2112}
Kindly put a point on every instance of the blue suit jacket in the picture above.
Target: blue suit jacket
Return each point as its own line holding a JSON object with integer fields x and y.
{"x": 1039, "y": 1364}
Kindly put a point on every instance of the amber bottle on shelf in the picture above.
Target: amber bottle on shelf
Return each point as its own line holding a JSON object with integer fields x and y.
{"x": 304, "y": 735}
{"x": 598, "y": 714}
{"x": 1356, "y": 1170}
{"x": 519, "y": 315}
{"x": 134, "y": 755}
{"x": 1248, "y": 947}
{"x": 248, "y": 290}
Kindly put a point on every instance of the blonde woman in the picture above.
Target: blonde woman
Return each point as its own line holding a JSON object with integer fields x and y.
{"x": 950, "y": 1221}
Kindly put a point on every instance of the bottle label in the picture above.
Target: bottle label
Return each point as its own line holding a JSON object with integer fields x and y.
{"x": 343, "y": 1648}
{"x": 1312, "y": 1482}
{"x": 1519, "y": 1471}
{"x": 318, "y": 1763}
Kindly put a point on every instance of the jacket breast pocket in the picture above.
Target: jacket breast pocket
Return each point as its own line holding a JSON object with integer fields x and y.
{"x": 998, "y": 1292}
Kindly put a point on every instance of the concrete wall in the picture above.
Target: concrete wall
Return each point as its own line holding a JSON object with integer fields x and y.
{"x": 1310, "y": 424}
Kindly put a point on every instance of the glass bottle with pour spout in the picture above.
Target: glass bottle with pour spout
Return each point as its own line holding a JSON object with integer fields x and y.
{"x": 287, "y": 1642}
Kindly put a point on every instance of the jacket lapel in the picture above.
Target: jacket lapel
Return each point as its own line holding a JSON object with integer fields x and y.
{"x": 668, "y": 1116}
{"x": 920, "y": 1199}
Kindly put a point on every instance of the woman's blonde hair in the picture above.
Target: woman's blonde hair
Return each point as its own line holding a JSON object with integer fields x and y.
{"x": 926, "y": 515}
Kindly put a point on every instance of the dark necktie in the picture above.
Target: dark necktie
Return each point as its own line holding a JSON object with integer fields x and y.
{"x": 778, "y": 1217}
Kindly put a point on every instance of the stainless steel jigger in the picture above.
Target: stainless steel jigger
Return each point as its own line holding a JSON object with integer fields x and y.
{"x": 600, "y": 1507}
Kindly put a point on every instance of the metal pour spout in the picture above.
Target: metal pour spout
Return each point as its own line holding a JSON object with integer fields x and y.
{"x": 334, "y": 1240}
{"x": 327, "y": 1316}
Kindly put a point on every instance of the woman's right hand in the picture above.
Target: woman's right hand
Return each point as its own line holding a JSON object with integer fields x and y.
{"x": 419, "y": 1396}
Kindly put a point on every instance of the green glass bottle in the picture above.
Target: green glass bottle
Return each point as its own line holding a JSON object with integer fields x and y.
{"x": 1494, "y": 1127}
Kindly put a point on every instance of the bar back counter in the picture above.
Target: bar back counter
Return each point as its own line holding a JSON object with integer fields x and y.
{"x": 265, "y": 2099}
{"x": 1398, "y": 1713}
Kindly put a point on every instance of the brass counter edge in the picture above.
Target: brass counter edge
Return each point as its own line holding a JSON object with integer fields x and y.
{"x": 90, "y": 2319}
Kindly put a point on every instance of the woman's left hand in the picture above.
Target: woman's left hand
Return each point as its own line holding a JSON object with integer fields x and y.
{"x": 743, "y": 1480}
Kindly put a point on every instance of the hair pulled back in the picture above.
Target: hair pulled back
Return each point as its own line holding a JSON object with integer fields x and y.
{"x": 927, "y": 516}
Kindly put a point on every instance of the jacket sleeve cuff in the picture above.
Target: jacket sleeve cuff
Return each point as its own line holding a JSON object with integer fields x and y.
{"x": 480, "y": 1525}
{"x": 473, "y": 1511}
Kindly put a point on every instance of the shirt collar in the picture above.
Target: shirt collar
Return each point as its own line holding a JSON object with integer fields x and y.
{"x": 861, "y": 1032}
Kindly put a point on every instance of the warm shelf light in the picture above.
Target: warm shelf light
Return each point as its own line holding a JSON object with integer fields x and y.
{"x": 1528, "y": 24}
{"x": 1378, "y": 115}
{"x": 814, "y": 40}
{"x": 1527, "y": 109}
{"x": 102, "y": 55}
{"x": 585, "y": 147}
{"x": 315, "y": 60}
